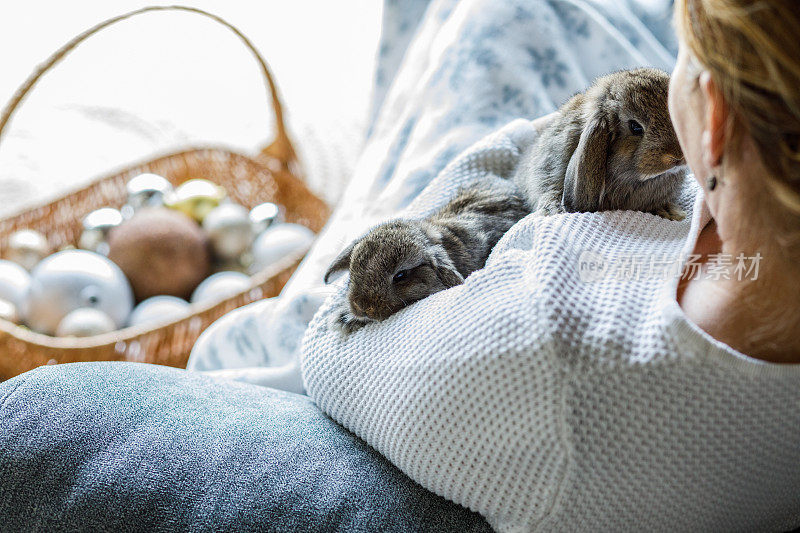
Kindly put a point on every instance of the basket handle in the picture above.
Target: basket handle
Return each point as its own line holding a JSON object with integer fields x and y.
{"x": 281, "y": 148}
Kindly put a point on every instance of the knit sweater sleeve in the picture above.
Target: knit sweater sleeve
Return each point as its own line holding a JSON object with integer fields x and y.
{"x": 462, "y": 390}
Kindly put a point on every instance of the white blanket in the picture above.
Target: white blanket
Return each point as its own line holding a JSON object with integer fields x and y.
{"x": 449, "y": 74}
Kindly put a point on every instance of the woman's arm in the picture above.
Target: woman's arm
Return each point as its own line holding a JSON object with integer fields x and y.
{"x": 462, "y": 390}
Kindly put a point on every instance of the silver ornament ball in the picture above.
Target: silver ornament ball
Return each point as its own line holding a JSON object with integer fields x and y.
{"x": 229, "y": 230}
{"x": 85, "y": 322}
{"x": 147, "y": 190}
{"x": 14, "y": 282}
{"x": 70, "y": 280}
{"x": 278, "y": 242}
{"x": 159, "y": 309}
{"x": 96, "y": 227}
{"x": 219, "y": 286}
{"x": 27, "y": 247}
{"x": 8, "y": 311}
{"x": 265, "y": 215}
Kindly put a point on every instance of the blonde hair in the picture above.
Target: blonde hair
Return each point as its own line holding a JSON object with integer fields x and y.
{"x": 752, "y": 50}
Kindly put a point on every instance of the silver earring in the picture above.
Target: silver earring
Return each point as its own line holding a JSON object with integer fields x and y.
{"x": 711, "y": 183}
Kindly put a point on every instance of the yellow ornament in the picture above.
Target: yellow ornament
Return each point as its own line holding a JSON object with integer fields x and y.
{"x": 195, "y": 198}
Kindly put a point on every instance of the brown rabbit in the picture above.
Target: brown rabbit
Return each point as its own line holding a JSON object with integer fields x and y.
{"x": 403, "y": 261}
{"x": 611, "y": 147}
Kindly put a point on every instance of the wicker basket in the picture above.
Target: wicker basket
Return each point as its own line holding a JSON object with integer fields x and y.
{"x": 271, "y": 176}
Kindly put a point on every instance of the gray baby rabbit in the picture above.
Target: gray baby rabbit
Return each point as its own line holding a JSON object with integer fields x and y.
{"x": 403, "y": 261}
{"x": 610, "y": 147}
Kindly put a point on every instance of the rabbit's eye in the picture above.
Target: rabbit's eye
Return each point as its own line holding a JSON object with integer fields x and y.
{"x": 400, "y": 276}
{"x": 635, "y": 127}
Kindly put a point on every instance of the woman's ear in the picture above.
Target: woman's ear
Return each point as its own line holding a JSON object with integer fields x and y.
{"x": 715, "y": 121}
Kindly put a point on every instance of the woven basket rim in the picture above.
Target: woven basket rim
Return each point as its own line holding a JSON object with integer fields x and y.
{"x": 123, "y": 169}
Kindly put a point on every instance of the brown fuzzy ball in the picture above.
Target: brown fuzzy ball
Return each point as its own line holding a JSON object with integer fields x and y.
{"x": 161, "y": 251}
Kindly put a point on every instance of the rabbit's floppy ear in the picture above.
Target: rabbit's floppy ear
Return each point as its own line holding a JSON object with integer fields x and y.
{"x": 585, "y": 179}
{"x": 342, "y": 262}
{"x": 446, "y": 271}
{"x": 443, "y": 266}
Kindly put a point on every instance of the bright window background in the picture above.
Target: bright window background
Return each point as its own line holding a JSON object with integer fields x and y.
{"x": 167, "y": 80}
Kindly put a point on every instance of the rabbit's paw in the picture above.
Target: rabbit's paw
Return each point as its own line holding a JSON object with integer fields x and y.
{"x": 671, "y": 212}
{"x": 344, "y": 321}
{"x": 549, "y": 205}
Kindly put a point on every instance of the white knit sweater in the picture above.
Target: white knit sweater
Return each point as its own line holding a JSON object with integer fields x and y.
{"x": 548, "y": 399}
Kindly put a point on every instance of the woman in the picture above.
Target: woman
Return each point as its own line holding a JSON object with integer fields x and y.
{"x": 548, "y": 400}
{"x": 572, "y": 404}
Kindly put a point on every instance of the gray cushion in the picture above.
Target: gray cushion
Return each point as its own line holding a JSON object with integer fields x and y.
{"x": 131, "y": 447}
